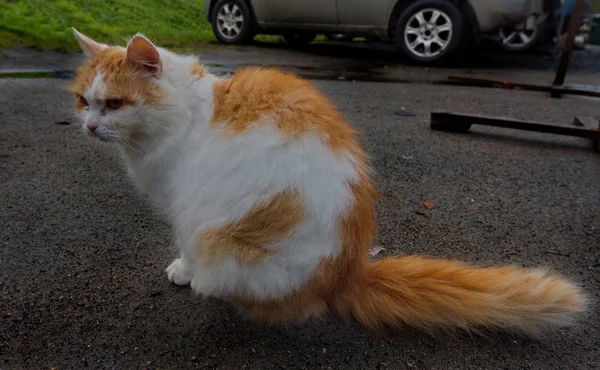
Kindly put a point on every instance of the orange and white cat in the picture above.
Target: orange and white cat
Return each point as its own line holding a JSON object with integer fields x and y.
{"x": 271, "y": 203}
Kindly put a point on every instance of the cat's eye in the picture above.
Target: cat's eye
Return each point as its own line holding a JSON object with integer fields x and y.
{"x": 114, "y": 103}
{"x": 82, "y": 100}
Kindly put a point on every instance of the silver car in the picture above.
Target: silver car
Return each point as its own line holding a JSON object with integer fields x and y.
{"x": 423, "y": 30}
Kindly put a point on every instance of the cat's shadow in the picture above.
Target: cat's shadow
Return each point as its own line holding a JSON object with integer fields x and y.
{"x": 222, "y": 335}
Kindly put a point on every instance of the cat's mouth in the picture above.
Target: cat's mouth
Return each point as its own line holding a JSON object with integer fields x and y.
{"x": 102, "y": 135}
{"x": 105, "y": 139}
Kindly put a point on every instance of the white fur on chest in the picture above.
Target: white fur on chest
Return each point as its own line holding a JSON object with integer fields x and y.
{"x": 211, "y": 178}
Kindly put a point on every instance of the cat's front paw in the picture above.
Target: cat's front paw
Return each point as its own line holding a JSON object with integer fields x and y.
{"x": 178, "y": 272}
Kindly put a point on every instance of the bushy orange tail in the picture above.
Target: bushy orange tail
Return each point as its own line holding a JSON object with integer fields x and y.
{"x": 444, "y": 294}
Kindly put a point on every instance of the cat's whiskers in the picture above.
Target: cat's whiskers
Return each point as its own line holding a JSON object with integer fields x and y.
{"x": 74, "y": 140}
{"x": 76, "y": 134}
{"x": 136, "y": 142}
{"x": 121, "y": 140}
{"x": 121, "y": 151}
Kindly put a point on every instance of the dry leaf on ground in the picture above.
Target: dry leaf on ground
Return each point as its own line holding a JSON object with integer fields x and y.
{"x": 428, "y": 205}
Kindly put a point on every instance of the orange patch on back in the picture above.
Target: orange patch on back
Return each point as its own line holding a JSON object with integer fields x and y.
{"x": 124, "y": 79}
{"x": 333, "y": 276}
{"x": 248, "y": 240}
{"x": 294, "y": 105}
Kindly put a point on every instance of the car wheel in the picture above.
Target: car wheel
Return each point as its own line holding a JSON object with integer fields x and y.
{"x": 517, "y": 40}
{"x": 429, "y": 30}
{"x": 299, "y": 38}
{"x": 514, "y": 39}
{"x": 232, "y": 22}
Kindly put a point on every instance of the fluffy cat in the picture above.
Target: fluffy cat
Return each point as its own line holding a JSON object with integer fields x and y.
{"x": 271, "y": 203}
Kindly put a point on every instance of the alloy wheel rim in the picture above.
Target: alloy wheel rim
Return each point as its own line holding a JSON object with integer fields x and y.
{"x": 517, "y": 38}
{"x": 230, "y": 21}
{"x": 428, "y": 32}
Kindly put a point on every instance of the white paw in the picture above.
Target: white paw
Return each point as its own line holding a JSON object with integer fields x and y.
{"x": 178, "y": 273}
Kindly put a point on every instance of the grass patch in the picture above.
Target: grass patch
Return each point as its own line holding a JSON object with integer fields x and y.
{"x": 271, "y": 39}
{"x": 46, "y": 24}
{"x": 275, "y": 39}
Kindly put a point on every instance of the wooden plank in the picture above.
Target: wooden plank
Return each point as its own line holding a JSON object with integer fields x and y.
{"x": 462, "y": 122}
{"x": 589, "y": 122}
{"x": 483, "y": 82}
{"x": 587, "y": 90}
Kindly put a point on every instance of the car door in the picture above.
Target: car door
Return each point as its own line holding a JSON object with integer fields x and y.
{"x": 364, "y": 13}
{"x": 294, "y": 12}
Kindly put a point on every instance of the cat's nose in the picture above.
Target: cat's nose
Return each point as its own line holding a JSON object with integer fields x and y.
{"x": 91, "y": 126}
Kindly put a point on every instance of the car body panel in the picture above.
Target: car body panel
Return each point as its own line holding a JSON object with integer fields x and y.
{"x": 495, "y": 14}
{"x": 298, "y": 11}
{"x": 355, "y": 13}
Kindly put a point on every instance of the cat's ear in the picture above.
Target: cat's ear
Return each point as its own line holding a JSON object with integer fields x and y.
{"x": 89, "y": 46}
{"x": 142, "y": 52}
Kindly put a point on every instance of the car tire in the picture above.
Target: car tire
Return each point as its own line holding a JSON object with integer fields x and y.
{"x": 233, "y": 22}
{"x": 299, "y": 38}
{"x": 423, "y": 39}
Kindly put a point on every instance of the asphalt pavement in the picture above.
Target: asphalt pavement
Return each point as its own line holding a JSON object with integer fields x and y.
{"x": 82, "y": 257}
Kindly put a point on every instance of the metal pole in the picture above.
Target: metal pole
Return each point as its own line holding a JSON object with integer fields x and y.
{"x": 563, "y": 63}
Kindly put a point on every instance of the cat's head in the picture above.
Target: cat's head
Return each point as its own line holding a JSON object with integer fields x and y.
{"x": 122, "y": 93}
